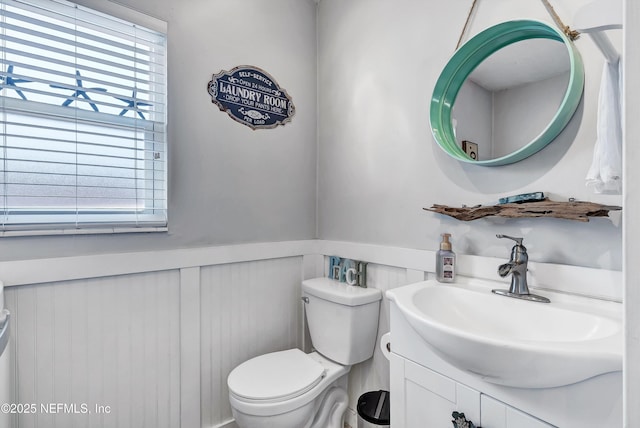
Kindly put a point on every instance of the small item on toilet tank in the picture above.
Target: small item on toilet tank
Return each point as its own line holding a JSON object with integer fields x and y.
{"x": 334, "y": 263}
{"x": 445, "y": 261}
{"x": 361, "y": 267}
{"x": 336, "y": 273}
{"x": 351, "y": 276}
{"x": 340, "y": 271}
{"x": 346, "y": 265}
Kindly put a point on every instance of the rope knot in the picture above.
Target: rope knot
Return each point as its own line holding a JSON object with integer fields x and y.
{"x": 571, "y": 34}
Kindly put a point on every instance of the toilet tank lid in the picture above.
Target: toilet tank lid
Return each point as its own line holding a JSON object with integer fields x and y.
{"x": 340, "y": 292}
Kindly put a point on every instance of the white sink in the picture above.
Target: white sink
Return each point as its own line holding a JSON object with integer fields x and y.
{"x": 514, "y": 342}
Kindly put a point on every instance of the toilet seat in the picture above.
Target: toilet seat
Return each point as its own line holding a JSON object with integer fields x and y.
{"x": 275, "y": 377}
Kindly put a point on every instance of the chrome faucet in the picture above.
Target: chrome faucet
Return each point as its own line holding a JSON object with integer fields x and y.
{"x": 517, "y": 268}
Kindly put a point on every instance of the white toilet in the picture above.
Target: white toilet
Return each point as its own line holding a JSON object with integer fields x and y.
{"x": 291, "y": 389}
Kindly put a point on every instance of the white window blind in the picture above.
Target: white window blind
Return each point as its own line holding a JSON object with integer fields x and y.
{"x": 82, "y": 120}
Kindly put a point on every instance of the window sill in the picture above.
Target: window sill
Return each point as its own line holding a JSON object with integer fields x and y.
{"x": 66, "y": 232}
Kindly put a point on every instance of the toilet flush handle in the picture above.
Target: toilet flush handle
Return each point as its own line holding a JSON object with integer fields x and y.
{"x": 305, "y": 299}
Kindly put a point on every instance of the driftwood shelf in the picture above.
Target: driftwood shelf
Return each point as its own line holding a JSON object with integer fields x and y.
{"x": 572, "y": 210}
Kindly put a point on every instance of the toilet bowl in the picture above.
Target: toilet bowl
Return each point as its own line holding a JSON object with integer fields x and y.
{"x": 291, "y": 389}
{"x": 287, "y": 389}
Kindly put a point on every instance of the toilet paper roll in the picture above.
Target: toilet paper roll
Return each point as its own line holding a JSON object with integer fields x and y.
{"x": 385, "y": 345}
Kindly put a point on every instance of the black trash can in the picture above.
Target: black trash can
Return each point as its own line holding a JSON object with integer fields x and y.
{"x": 373, "y": 409}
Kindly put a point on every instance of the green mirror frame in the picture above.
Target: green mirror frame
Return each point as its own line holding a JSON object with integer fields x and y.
{"x": 474, "y": 52}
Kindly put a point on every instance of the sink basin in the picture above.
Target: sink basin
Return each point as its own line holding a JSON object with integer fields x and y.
{"x": 513, "y": 342}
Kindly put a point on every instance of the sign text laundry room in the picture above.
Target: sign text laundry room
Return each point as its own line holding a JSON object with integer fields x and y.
{"x": 251, "y": 96}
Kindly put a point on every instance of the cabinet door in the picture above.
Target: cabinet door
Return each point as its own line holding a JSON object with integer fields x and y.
{"x": 496, "y": 414}
{"x": 425, "y": 398}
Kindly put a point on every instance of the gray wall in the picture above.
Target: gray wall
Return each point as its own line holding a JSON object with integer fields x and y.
{"x": 379, "y": 165}
{"x": 227, "y": 183}
{"x": 362, "y": 139}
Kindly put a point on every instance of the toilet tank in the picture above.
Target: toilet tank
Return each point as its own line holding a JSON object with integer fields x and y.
{"x": 342, "y": 319}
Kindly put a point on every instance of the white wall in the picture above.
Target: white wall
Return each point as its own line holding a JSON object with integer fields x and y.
{"x": 631, "y": 130}
{"x": 475, "y": 105}
{"x": 379, "y": 166}
{"x": 227, "y": 183}
{"x": 112, "y": 342}
{"x": 517, "y": 122}
{"x": 246, "y": 309}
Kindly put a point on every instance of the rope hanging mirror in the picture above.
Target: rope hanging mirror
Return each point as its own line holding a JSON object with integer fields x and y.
{"x": 572, "y": 34}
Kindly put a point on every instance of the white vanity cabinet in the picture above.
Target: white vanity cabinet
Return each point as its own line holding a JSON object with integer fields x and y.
{"x": 424, "y": 398}
{"x": 495, "y": 414}
{"x": 425, "y": 390}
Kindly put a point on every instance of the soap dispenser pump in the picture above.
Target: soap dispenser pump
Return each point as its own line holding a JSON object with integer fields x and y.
{"x": 445, "y": 261}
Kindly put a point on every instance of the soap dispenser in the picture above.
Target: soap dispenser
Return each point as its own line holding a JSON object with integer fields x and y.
{"x": 445, "y": 261}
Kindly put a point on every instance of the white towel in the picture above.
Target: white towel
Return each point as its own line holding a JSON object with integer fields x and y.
{"x": 605, "y": 174}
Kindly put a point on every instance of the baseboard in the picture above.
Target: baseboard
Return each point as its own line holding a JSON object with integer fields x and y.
{"x": 228, "y": 424}
{"x": 350, "y": 418}
{"x": 350, "y": 421}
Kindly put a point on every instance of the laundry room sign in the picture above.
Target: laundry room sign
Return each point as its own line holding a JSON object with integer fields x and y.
{"x": 251, "y": 96}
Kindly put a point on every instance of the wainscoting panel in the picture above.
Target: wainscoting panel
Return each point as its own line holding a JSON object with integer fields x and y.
{"x": 373, "y": 374}
{"x": 110, "y": 342}
{"x": 151, "y": 337}
{"x": 247, "y": 309}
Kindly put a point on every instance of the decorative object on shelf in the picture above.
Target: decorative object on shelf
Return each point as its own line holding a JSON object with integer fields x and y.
{"x": 460, "y": 421}
{"x": 522, "y": 198}
{"x": 251, "y": 96}
{"x": 570, "y": 210}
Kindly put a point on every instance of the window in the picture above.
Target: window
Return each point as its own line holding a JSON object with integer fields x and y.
{"x": 82, "y": 121}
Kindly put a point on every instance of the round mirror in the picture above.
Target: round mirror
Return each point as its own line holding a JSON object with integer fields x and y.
{"x": 506, "y": 93}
